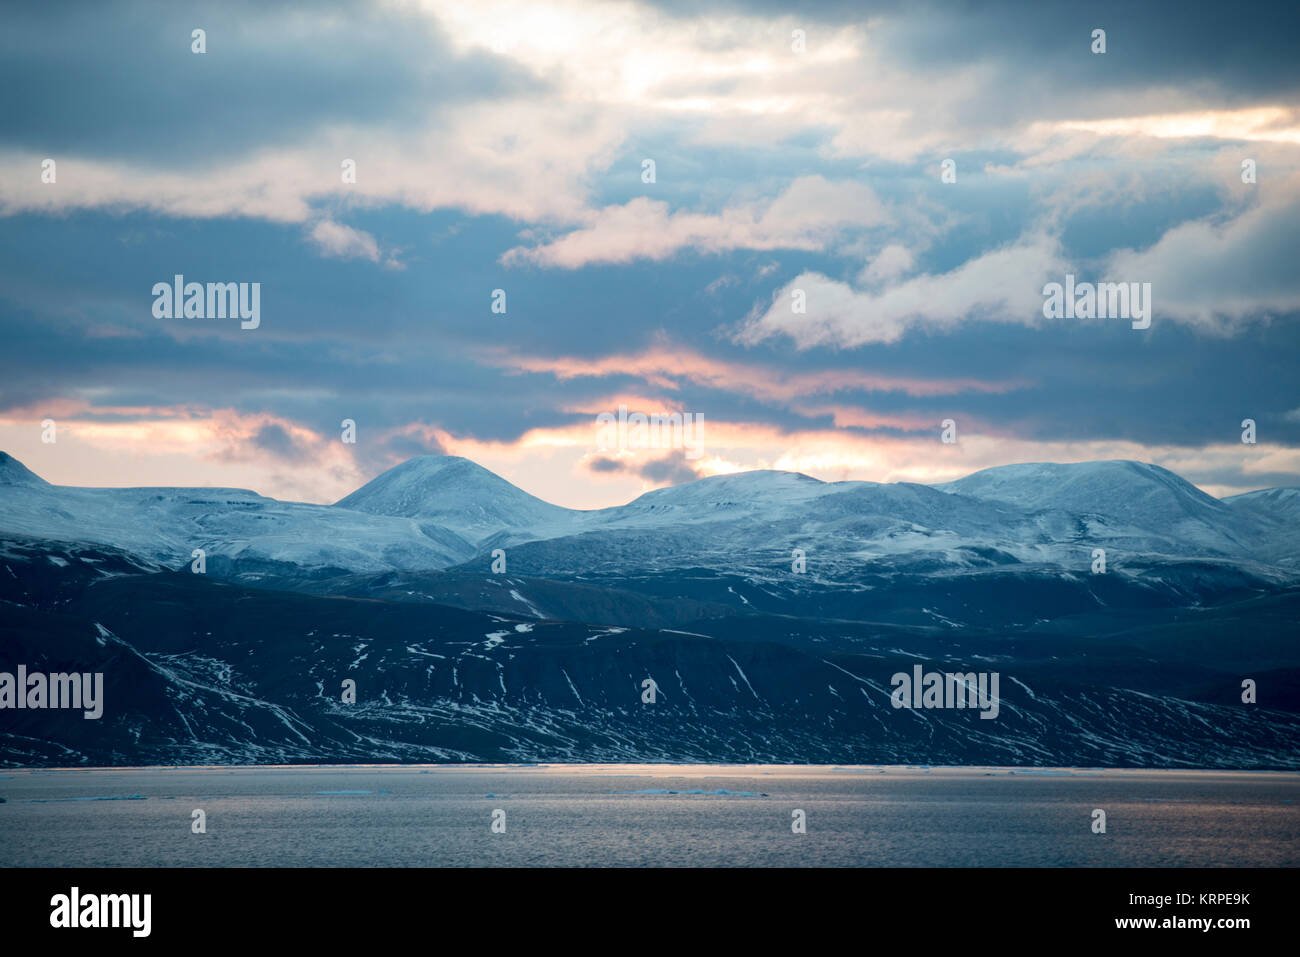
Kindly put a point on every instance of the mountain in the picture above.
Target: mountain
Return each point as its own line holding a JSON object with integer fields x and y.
{"x": 437, "y": 512}
{"x": 1122, "y": 501}
{"x": 241, "y": 532}
{"x": 1004, "y": 547}
{"x": 1279, "y": 509}
{"x": 770, "y": 608}
{"x": 1281, "y": 504}
{"x": 202, "y": 671}
{"x": 456, "y": 494}
{"x": 760, "y": 489}
{"x": 13, "y": 472}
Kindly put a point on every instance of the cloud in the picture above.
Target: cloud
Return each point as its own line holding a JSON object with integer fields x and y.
{"x": 1004, "y": 285}
{"x": 668, "y": 365}
{"x": 1192, "y": 48}
{"x": 671, "y": 469}
{"x": 807, "y": 215}
{"x": 181, "y": 446}
{"x": 527, "y": 160}
{"x": 892, "y": 262}
{"x": 224, "y": 449}
{"x": 1214, "y": 273}
{"x": 1268, "y": 123}
{"x": 520, "y": 109}
{"x": 118, "y": 81}
{"x": 278, "y": 441}
{"x": 344, "y": 242}
{"x": 510, "y": 129}
{"x": 396, "y": 447}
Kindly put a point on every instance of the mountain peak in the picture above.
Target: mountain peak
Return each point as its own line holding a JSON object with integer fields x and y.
{"x": 453, "y": 492}
{"x": 747, "y": 488}
{"x": 1274, "y": 504}
{"x": 1138, "y": 494}
{"x": 428, "y": 473}
{"x": 435, "y": 463}
{"x": 13, "y": 472}
{"x": 1027, "y": 483}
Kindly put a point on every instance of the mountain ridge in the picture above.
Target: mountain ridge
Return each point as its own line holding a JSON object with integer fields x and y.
{"x": 432, "y": 466}
{"x": 771, "y": 609}
{"x": 438, "y": 512}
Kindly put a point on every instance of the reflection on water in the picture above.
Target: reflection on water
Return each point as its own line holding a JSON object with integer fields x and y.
{"x": 638, "y": 815}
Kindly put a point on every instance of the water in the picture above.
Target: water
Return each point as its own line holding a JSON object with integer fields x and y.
{"x": 619, "y": 815}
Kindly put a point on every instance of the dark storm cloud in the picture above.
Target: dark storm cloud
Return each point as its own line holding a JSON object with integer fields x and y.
{"x": 120, "y": 80}
{"x": 671, "y": 469}
{"x": 396, "y": 348}
{"x": 277, "y": 441}
{"x": 818, "y": 11}
{"x": 402, "y": 447}
{"x": 1240, "y": 52}
{"x": 1035, "y": 60}
{"x": 402, "y": 349}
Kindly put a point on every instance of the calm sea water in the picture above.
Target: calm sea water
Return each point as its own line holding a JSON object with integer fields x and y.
{"x": 646, "y": 815}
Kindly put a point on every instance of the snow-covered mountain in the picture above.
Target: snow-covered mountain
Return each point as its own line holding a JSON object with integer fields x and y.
{"x": 1045, "y": 521}
{"x": 756, "y": 657}
{"x": 1121, "y": 499}
{"x": 13, "y": 472}
{"x": 1278, "y": 503}
{"x": 237, "y": 529}
{"x": 453, "y": 493}
{"x": 435, "y": 512}
{"x": 1279, "y": 509}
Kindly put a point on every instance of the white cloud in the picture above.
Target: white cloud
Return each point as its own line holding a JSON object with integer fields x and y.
{"x": 1003, "y": 285}
{"x": 526, "y": 159}
{"x": 808, "y": 215}
{"x": 1270, "y": 123}
{"x": 890, "y": 263}
{"x": 344, "y": 242}
{"x": 621, "y": 72}
{"x": 1215, "y": 274}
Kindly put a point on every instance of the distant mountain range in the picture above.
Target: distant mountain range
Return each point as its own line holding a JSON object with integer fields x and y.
{"x": 769, "y": 608}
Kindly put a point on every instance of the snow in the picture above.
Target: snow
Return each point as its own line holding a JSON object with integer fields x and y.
{"x": 166, "y": 524}
{"x": 571, "y": 686}
{"x": 1029, "y": 692}
{"x": 434, "y": 512}
{"x": 457, "y": 495}
{"x": 524, "y": 601}
{"x": 743, "y": 677}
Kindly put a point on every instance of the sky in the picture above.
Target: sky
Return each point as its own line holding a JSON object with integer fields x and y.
{"x": 912, "y": 175}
